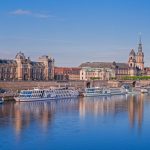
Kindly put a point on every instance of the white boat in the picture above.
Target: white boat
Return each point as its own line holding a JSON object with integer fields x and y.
{"x": 118, "y": 91}
{"x": 1, "y": 100}
{"x": 97, "y": 91}
{"x": 46, "y": 94}
{"x": 128, "y": 88}
{"x": 143, "y": 90}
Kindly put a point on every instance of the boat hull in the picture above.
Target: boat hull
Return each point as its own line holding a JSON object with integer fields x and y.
{"x": 17, "y": 99}
{"x": 118, "y": 94}
{"x": 96, "y": 95}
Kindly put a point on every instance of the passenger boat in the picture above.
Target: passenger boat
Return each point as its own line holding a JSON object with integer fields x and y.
{"x": 118, "y": 91}
{"x": 46, "y": 94}
{"x": 143, "y": 90}
{"x": 97, "y": 91}
{"x": 1, "y": 100}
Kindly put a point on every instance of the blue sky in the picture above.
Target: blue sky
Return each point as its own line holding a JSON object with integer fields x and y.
{"x": 74, "y": 31}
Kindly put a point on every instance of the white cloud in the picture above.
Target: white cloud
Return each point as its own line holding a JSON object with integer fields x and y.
{"x": 43, "y": 15}
{"x": 21, "y": 12}
{"x": 31, "y": 13}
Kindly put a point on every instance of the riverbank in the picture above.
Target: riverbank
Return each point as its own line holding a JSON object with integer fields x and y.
{"x": 13, "y": 87}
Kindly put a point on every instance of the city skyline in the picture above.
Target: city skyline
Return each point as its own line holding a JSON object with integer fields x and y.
{"x": 74, "y": 31}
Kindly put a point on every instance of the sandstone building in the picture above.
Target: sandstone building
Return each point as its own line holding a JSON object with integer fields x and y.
{"x": 22, "y": 68}
{"x": 88, "y": 73}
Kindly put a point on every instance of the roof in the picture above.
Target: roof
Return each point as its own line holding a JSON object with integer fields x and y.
{"x": 104, "y": 65}
{"x": 132, "y": 52}
{"x": 122, "y": 65}
{"x": 70, "y": 70}
{"x": 97, "y": 64}
{"x": 4, "y": 61}
{"x": 39, "y": 64}
{"x": 13, "y": 62}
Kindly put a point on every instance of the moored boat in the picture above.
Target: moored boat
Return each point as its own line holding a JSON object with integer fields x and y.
{"x": 118, "y": 91}
{"x": 46, "y": 94}
{"x": 97, "y": 91}
{"x": 1, "y": 100}
{"x": 144, "y": 90}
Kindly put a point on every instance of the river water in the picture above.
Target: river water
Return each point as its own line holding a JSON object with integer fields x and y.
{"x": 102, "y": 123}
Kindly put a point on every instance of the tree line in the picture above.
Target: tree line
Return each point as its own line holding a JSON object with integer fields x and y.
{"x": 136, "y": 78}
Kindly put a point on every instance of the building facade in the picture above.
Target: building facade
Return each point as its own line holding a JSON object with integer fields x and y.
{"x": 22, "y": 68}
{"x": 66, "y": 73}
{"x": 88, "y": 73}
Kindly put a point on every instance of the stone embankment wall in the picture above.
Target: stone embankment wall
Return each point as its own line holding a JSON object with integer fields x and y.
{"x": 19, "y": 85}
{"x": 143, "y": 83}
{"x": 30, "y": 85}
{"x": 16, "y": 85}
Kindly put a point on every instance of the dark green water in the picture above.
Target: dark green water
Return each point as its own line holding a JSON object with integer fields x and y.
{"x": 119, "y": 122}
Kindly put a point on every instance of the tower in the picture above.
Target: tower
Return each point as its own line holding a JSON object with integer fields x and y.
{"x": 23, "y": 67}
{"x": 140, "y": 56}
{"x": 132, "y": 63}
{"x": 48, "y": 67}
{"x": 19, "y": 60}
{"x": 132, "y": 59}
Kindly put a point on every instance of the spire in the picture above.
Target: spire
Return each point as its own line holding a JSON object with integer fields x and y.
{"x": 140, "y": 43}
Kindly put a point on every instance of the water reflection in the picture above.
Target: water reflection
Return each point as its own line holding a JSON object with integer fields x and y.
{"x": 21, "y": 115}
{"x": 131, "y": 104}
{"x": 103, "y": 105}
{"x": 135, "y": 110}
{"x": 25, "y": 113}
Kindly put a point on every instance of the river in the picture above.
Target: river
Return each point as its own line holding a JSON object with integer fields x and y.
{"x": 117, "y": 122}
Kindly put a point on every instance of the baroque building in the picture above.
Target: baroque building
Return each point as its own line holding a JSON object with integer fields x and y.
{"x": 136, "y": 61}
{"x": 22, "y": 68}
{"x": 88, "y": 73}
{"x": 140, "y": 57}
{"x": 134, "y": 66}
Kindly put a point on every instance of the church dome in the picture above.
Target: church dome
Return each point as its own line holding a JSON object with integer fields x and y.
{"x": 132, "y": 52}
{"x": 20, "y": 55}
